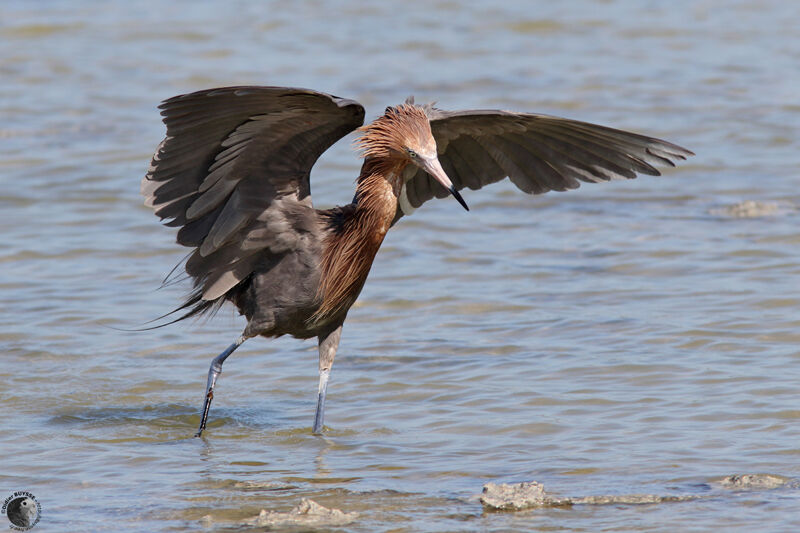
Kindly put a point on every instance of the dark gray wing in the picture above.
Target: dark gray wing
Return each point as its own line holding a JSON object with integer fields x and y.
{"x": 539, "y": 153}
{"x": 233, "y": 173}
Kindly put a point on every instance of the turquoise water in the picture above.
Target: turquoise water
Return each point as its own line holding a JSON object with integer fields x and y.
{"x": 627, "y": 338}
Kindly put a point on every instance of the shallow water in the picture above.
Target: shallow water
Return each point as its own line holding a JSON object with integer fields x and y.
{"x": 627, "y": 338}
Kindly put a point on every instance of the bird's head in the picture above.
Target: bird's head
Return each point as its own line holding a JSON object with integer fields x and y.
{"x": 403, "y": 134}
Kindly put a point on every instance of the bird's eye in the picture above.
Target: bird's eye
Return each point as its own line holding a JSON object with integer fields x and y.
{"x": 411, "y": 153}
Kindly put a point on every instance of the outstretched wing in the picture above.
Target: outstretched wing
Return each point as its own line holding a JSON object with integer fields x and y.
{"x": 233, "y": 173}
{"x": 539, "y": 153}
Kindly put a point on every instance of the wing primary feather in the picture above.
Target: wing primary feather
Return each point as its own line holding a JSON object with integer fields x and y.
{"x": 627, "y": 139}
{"x": 612, "y": 156}
{"x": 517, "y": 161}
{"x": 472, "y": 168}
{"x": 552, "y": 175}
{"x": 484, "y": 165}
{"x": 465, "y": 173}
{"x": 211, "y": 198}
{"x": 557, "y": 154}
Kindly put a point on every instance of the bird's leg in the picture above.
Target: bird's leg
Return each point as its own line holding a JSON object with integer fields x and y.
{"x": 327, "y": 351}
{"x": 213, "y": 373}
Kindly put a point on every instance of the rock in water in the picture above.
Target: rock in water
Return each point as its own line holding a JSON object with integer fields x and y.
{"x": 752, "y": 481}
{"x": 508, "y": 497}
{"x": 513, "y": 497}
{"x": 307, "y": 513}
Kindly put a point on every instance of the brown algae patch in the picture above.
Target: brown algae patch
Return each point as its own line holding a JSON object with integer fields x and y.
{"x": 307, "y": 513}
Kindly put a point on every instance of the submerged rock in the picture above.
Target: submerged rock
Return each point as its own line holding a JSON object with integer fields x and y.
{"x": 307, "y": 513}
{"x": 530, "y": 494}
{"x": 629, "y": 499}
{"x": 518, "y": 496}
{"x": 514, "y": 497}
{"x": 748, "y": 209}
{"x": 752, "y": 481}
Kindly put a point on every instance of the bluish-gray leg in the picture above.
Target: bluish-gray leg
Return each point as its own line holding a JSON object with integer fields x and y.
{"x": 323, "y": 389}
{"x": 213, "y": 373}
{"x": 327, "y": 352}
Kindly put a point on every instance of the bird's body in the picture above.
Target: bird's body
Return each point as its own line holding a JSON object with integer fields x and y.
{"x": 233, "y": 174}
{"x": 306, "y": 292}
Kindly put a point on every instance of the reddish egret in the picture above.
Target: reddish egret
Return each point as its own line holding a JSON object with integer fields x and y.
{"x": 233, "y": 175}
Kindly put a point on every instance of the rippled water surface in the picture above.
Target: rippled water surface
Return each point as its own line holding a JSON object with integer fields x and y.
{"x": 627, "y": 338}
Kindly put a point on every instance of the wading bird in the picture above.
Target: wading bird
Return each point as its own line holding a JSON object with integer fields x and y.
{"x": 233, "y": 175}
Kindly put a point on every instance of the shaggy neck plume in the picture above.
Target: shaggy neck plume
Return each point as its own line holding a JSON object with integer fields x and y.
{"x": 350, "y": 248}
{"x": 360, "y": 228}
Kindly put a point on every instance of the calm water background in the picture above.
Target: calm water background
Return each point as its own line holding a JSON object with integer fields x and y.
{"x": 632, "y": 337}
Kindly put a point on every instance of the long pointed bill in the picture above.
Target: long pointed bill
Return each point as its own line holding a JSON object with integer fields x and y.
{"x": 434, "y": 168}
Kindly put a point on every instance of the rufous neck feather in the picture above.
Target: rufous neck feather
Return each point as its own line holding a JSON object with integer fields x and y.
{"x": 350, "y": 249}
